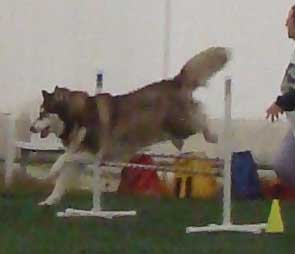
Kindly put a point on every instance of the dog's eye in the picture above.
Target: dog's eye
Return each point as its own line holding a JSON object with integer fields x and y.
{"x": 43, "y": 113}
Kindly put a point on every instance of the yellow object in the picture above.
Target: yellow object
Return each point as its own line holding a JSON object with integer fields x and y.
{"x": 275, "y": 222}
{"x": 204, "y": 186}
{"x": 196, "y": 185}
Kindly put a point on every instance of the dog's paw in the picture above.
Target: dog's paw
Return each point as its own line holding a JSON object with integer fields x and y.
{"x": 212, "y": 138}
{"x": 50, "y": 178}
{"x": 46, "y": 203}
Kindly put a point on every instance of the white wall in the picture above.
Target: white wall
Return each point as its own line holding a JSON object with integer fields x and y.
{"x": 44, "y": 43}
{"x": 261, "y": 50}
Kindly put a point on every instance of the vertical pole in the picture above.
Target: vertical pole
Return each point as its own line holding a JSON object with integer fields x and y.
{"x": 97, "y": 188}
{"x": 166, "y": 48}
{"x": 227, "y": 154}
{"x": 167, "y": 33}
{"x": 10, "y": 149}
{"x": 99, "y": 82}
{"x": 96, "y": 179}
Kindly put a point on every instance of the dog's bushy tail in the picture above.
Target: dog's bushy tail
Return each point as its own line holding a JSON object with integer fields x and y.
{"x": 199, "y": 69}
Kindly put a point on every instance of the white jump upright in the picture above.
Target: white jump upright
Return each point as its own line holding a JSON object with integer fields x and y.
{"x": 227, "y": 224}
{"x": 10, "y": 149}
{"x": 96, "y": 210}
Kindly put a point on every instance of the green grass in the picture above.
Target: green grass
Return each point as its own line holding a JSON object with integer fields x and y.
{"x": 159, "y": 227}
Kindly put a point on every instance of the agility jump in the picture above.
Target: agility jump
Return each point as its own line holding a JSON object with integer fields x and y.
{"x": 227, "y": 223}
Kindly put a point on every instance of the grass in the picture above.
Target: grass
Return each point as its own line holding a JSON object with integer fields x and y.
{"x": 159, "y": 227}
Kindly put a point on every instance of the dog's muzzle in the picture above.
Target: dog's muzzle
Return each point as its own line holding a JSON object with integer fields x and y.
{"x": 33, "y": 129}
{"x": 43, "y": 133}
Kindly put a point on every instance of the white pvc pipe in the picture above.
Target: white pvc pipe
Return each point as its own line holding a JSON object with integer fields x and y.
{"x": 247, "y": 228}
{"x": 227, "y": 154}
{"x": 166, "y": 49}
{"x": 227, "y": 141}
{"x": 104, "y": 214}
{"x": 10, "y": 151}
{"x": 167, "y": 34}
{"x": 97, "y": 188}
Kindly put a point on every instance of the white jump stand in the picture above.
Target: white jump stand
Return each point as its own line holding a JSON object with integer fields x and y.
{"x": 246, "y": 228}
{"x": 96, "y": 210}
{"x": 69, "y": 212}
{"x": 227, "y": 225}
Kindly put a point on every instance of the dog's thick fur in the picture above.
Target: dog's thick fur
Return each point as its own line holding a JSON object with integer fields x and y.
{"x": 115, "y": 127}
{"x": 118, "y": 126}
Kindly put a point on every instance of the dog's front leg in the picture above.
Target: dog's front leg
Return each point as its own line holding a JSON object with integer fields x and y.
{"x": 57, "y": 166}
{"x": 68, "y": 155}
{"x": 67, "y": 179}
{"x": 57, "y": 193}
{"x": 77, "y": 136}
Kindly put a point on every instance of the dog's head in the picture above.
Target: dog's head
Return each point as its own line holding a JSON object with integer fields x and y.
{"x": 47, "y": 123}
{"x": 68, "y": 105}
{"x": 54, "y": 102}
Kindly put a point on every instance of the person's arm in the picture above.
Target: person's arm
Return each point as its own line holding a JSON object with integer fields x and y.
{"x": 286, "y": 101}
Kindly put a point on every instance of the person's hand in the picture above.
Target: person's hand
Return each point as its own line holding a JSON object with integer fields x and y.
{"x": 273, "y": 112}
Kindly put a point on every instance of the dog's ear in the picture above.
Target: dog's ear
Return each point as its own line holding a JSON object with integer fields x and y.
{"x": 58, "y": 94}
{"x": 47, "y": 99}
{"x": 45, "y": 94}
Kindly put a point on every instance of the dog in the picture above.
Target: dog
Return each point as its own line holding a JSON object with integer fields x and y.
{"x": 105, "y": 127}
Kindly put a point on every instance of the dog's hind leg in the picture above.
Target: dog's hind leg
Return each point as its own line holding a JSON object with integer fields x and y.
{"x": 178, "y": 143}
{"x": 209, "y": 136}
